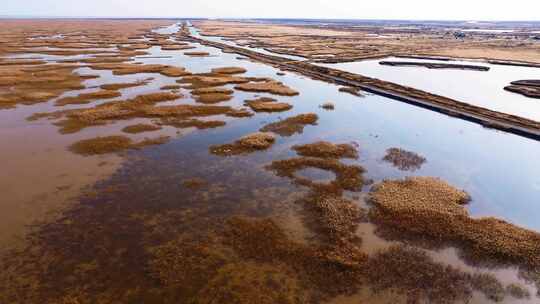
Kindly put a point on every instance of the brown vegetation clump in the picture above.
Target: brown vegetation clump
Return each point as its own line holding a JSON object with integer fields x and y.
{"x": 183, "y": 123}
{"x": 272, "y": 87}
{"x": 351, "y": 90}
{"x": 119, "y": 86}
{"x": 247, "y": 144}
{"x": 187, "y": 265}
{"x": 348, "y": 177}
{"x": 323, "y": 271}
{"x": 229, "y": 70}
{"x": 291, "y": 125}
{"x": 212, "y": 90}
{"x": 197, "y": 54}
{"x": 139, "y": 106}
{"x": 129, "y": 68}
{"x": 267, "y": 105}
{"x": 30, "y": 85}
{"x": 246, "y": 283}
{"x": 110, "y": 144}
{"x": 213, "y": 98}
{"x": 212, "y": 80}
{"x": 328, "y": 106}
{"x": 86, "y": 98}
{"x": 140, "y": 128}
{"x": 171, "y": 87}
{"x": 404, "y": 160}
{"x": 413, "y": 273}
{"x": 176, "y": 47}
{"x": 324, "y": 149}
{"x": 333, "y": 217}
{"x": 174, "y": 71}
{"x": 431, "y": 209}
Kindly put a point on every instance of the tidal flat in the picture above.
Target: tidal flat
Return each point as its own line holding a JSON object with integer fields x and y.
{"x": 143, "y": 167}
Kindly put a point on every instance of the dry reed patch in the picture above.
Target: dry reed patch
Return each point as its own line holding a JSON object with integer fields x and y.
{"x": 128, "y": 68}
{"x": 413, "y": 273}
{"x": 139, "y": 106}
{"x": 291, "y": 125}
{"x": 119, "y": 86}
{"x": 328, "y": 106}
{"x": 245, "y": 283}
{"x": 110, "y": 144}
{"x": 140, "y": 128}
{"x": 324, "y": 272}
{"x": 32, "y": 85}
{"x": 212, "y": 98}
{"x": 174, "y": 71}
{"x": 186, "y": 264}
{"x": 272, "y": 87}
{"x": 86, "y": 98}
{"x": 211, "y": 80}
{"x": 324, "y": 149}
{"x": 348, "y": 177}
{"x": 197, "y": 54}
{"x": 212, "y": 90}
{"x": 352, "y": 90}
{"x": 429, "y": 208}
{"x": 334, "y": 218}
{"x": 247, "y": 144}
{"x": 183, "y": 123}
{"x": 404, "y": 160}
{"x": 176, "y": 47}
{"x": 229, "y": 70}
{"x": 171, "y": 87}
{"x": 267, "y": 105}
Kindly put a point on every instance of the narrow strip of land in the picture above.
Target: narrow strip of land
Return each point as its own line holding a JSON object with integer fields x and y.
{"x": 431, "y": 65}
{"x": 488, "y": 118}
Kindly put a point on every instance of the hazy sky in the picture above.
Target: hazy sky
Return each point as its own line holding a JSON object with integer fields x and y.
{"x": 354, "y": 9}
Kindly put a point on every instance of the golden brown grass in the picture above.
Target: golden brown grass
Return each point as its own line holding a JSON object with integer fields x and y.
{"x": 404, "y": 160}
{"x": 247, "y": 144}
{"x": 211, "y": 80}
{"x": 176, "y": 47}
{"x": 86, "y": 98}
{"x": 430, "y": 208}
{"x": 183, "y": 123}
{"x": 212, "y": 90}
{"x": 213, "y": 98}
{"x": 229, "y": 70}
{"x": 272, "y": 87}
{"x": 266, "y": 105}
{"x": 348, "y": 177}
{"x": 140, "y": 128}
{"x": 119, "y": 86}
{"x": 35, "y": 84}
{"x": 171, "y": 87}
{"x": 197, "y": 54}
{"x": 324, "y": 149}
{"x": 291, "y": 125}
{"x": 110, "y": 144}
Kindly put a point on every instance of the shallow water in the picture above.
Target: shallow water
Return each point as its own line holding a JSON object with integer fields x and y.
{"x": 145, "y": 202}
{"x": 484, "y": 89}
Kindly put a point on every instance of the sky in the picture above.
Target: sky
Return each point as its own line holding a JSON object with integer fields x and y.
{"x": 338, "y": 9}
